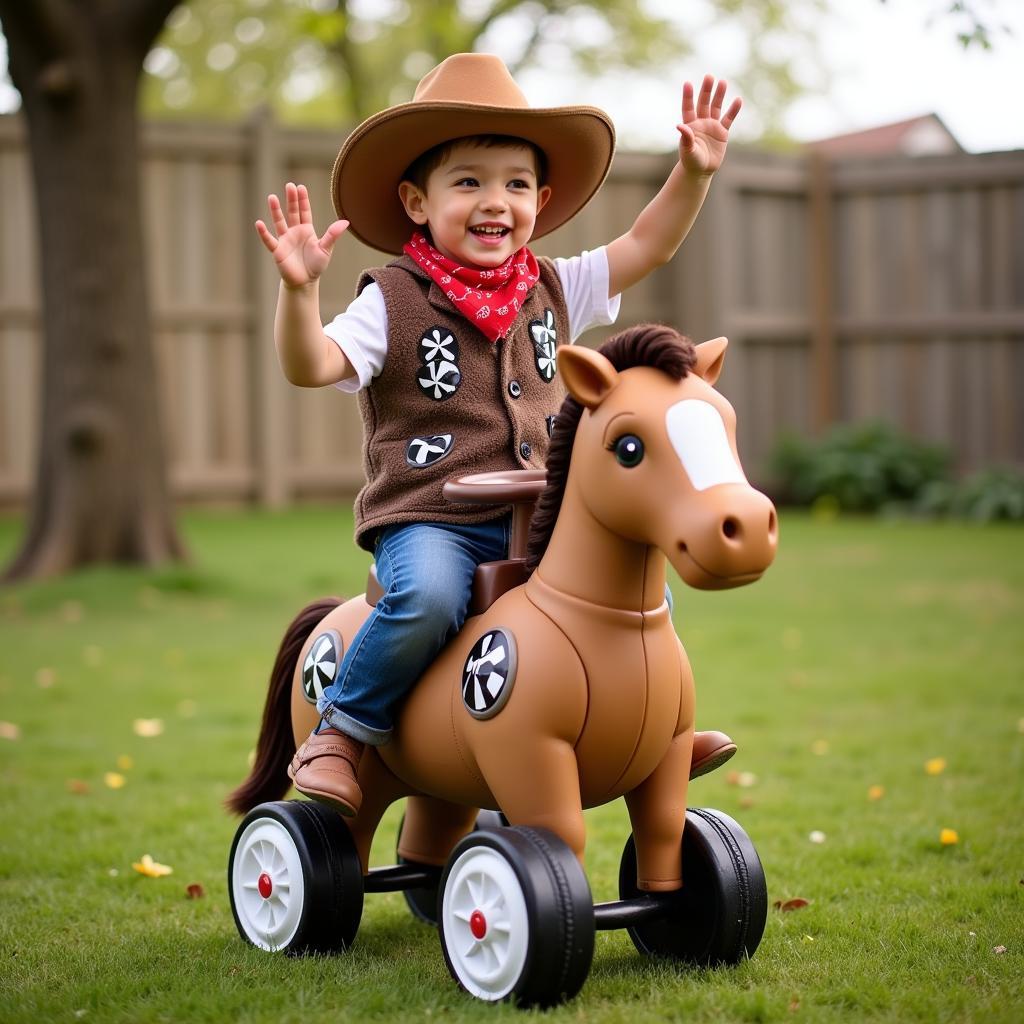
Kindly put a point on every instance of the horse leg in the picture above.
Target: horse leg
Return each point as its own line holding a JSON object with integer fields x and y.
{"x": 538, "y": 784}
{"x": 657, "y": 812}
{"x": 381, "y": 788}
{"x": 431, "y": 829}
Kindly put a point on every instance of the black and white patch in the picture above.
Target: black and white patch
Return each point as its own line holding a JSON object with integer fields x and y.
{"x": 439, "y": 380}
{"x": 425, "y": 451}
{"x": 320, "y": 668}
{"x": 439, "y": 344}
{"x": 543, "y": 335}
{"x": 489, "y": 673}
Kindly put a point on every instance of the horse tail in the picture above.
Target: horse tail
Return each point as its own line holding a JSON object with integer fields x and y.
{"x": 268, "y": 778}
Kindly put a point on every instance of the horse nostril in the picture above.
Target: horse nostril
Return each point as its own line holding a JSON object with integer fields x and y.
{"x": 682, "y": 546}
{"x": 731, "y": 528}
{"x": 773, "y": 526}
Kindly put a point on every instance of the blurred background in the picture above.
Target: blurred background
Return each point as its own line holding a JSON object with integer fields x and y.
{"x": 862, "y": 248}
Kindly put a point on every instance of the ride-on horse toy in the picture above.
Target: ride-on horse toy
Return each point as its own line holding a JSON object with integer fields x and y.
{"x": 563, "y": 692}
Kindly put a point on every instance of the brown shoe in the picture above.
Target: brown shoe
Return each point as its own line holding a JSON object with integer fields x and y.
{"x": 324, "y": 769}
{"x": 710, "y": 751}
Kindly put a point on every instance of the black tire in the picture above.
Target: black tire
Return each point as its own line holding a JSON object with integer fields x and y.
{"x": 294, "y": 878}
{"x": 538, "y": 943}
{"x": 422, "y": 902}
{"x": 718, "y": 917}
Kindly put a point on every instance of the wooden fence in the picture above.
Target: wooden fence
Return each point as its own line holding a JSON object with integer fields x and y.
{"x": 889, "y": 289}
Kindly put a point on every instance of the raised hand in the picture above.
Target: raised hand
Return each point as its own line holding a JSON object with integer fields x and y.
{"x": 300, "y": 255}
{"x": 704, "y": 131}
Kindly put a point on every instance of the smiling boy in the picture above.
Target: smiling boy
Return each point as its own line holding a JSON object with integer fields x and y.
{"x": 452, "y": 346}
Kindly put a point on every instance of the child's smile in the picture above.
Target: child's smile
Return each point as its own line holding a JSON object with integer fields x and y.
{"x": 480, "y": 204}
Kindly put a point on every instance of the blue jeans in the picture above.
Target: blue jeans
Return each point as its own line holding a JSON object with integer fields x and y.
{"x": 426, "y": 570}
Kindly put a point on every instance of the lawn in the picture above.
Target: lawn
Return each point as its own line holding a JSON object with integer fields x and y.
{"x": 869, "y": 650}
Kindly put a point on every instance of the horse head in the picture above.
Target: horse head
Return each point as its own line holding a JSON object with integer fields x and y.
{"x": 655, "y": 460}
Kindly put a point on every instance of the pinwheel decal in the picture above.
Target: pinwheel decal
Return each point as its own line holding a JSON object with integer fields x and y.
{"x": 489, "y": 673}
{"x": 437, "y": 344}
{"x": 321, "y": 665}
{"x": 425, "y": 451}
{"x": 543, "y": 334}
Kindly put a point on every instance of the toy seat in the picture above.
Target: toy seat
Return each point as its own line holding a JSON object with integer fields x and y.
{"x": 518, "y": 487}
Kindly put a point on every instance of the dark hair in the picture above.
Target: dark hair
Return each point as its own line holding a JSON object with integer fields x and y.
{"x": 419, "y": 170}
{"x": 656, "y": 345}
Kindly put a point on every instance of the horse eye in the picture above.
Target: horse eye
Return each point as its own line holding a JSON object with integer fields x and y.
{"x": 629, "y": 450}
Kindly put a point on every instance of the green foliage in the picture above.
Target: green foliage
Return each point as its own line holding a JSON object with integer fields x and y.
{"x": 325, "y": 62}
{"x": 987, "y": 496}
{"x": 862, "y": 467}
{"x": 868, "y": 649}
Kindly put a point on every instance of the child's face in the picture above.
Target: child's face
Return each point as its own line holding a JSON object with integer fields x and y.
{"x": 481, "y": 204}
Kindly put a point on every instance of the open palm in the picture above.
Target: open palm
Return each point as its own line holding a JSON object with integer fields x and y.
{"x": 704, "y": 131}
{"x": 301, "y": 256}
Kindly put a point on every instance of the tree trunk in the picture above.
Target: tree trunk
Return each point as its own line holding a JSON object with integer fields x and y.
{"x": 101, "y": 494}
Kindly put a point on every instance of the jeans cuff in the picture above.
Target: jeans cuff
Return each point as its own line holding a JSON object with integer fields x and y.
{"x": 337, "y": 718}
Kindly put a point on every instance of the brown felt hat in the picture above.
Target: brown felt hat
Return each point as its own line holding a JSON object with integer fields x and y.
{"x": 467, "y": 94}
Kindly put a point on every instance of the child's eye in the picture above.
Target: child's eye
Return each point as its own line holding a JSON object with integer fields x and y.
{"x": 518, "y": 183}
{"x": 467, "y": 183}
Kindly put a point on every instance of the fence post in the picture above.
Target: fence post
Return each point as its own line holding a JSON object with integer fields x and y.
{"x": 821, "y": 255}
{"x": 273, "y": 484}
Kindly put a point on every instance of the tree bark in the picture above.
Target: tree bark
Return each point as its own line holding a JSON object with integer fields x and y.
{"x": 101, "y": 494}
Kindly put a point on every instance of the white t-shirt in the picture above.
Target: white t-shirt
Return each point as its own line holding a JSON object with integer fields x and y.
{"x": 361, "y": 332}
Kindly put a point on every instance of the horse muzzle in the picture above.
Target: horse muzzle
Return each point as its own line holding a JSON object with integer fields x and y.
{"x": 728, "y": 539}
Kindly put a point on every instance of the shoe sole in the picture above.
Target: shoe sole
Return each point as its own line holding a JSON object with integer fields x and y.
{"x": 713, "y": 761}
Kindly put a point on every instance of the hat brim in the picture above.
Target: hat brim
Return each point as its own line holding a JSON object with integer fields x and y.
{"x": 577, "y": 141}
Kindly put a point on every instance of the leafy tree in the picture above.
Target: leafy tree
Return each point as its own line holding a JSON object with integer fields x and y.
{"x": 101, "y": 494}
{"x": 337, "y": 61}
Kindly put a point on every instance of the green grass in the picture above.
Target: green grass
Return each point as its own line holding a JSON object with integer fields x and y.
{"x": 891, "y": 643}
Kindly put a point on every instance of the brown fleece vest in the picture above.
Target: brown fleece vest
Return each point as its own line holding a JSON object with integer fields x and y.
{"x": 448, "y": 402}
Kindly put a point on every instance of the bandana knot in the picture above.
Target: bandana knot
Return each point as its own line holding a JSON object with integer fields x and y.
{"x": 490, "y": 298}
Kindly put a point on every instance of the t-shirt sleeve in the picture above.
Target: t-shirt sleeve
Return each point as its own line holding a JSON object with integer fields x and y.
{"x": 361, "y": 332}
{"x": 584, "y": 281}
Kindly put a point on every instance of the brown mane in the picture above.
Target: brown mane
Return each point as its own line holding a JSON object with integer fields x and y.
{"x": 655, "y": 345}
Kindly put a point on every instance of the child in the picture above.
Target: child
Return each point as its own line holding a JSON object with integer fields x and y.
{"x": 451, "y": 347}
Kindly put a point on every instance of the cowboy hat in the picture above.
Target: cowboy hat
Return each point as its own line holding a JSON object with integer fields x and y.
{"x": 467, "y": 94}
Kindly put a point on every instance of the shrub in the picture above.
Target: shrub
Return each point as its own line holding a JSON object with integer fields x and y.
{"x": 862, "y": 467}
{"x": 989, "y": 495}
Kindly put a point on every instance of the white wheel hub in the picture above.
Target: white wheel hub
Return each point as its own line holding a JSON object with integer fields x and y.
{"x": 486, "y": 928}
{"x": 267, "y": 884}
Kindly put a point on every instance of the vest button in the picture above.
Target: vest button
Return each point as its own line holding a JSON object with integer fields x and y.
{"x": 515, "y": 389}
{"x": 525, "y": 450}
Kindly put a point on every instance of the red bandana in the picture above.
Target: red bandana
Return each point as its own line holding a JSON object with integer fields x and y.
{"x": 489, "y": 298}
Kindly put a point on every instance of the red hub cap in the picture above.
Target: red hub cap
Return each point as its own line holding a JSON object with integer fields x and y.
{"x": 265, "y": 886}
{"x": 478, "y": 924}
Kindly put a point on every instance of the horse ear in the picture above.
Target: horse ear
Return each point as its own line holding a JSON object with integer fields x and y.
{"x": 710, "y": 356}
{"x": 587, "y": 375}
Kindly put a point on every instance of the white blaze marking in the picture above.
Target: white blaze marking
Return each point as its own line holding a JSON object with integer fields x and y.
{"x": 697, "y": 433}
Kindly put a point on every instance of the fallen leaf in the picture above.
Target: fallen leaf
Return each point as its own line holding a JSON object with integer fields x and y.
{"x": 195, "y": 891}
{"x": 819, "y": 747}
{"x": 794, "y": 904}
{"x": 746, "y": 780}
{"x": 949, "y": 837}
{"x": 77, "y": 786}
{"x": 794, "y": 1005}
{"x": 876, "y": 792}
{"x": 150, "y": 868}
{"x": 9, "y": 731}
{"x": 999, "y": 950}
{"x": 45, "y": 678}
{"x": 935, "y": 765}
{"x": 148, "y": 727}
{"x": 817, "y": 837}
{"x": 746, "y": 802}
{"x": 114, "y": 780}
{"x": 113, "y": 872}
{"x": 125, "y": 763}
